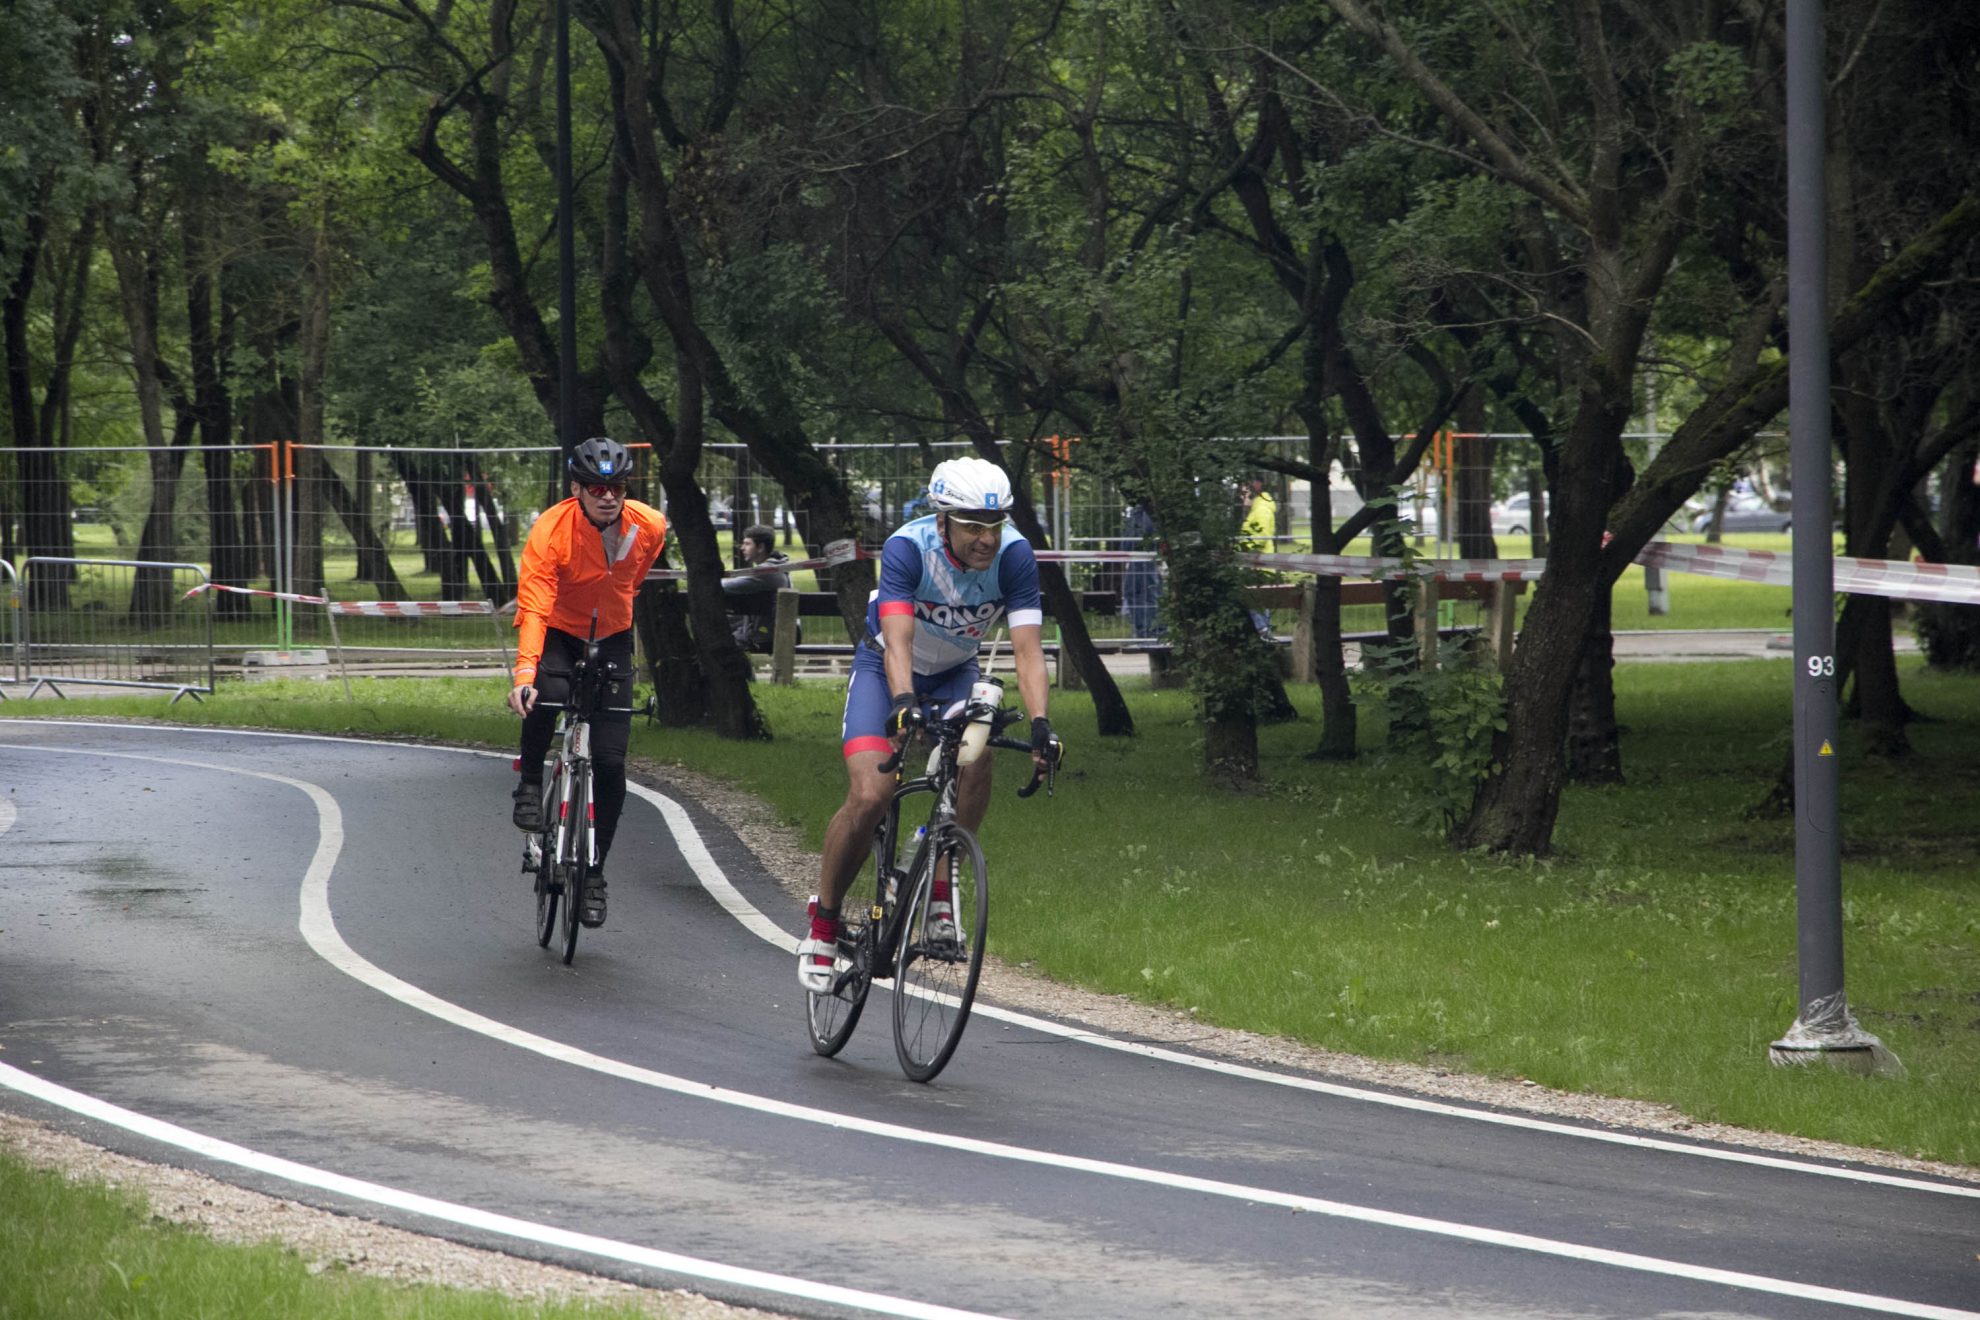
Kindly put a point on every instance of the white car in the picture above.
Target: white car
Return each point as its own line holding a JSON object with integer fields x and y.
{"x": 1513, "y": 515}
{"x": 1747, "y": 513}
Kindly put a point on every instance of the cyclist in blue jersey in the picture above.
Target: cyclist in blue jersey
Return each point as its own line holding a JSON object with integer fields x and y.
{"x": 945, "y": 581}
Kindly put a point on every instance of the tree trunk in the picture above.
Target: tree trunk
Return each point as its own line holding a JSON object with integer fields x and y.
{"x": 136, "y": 262}
{"x": 206, "y": 351}
{"x": 374, "y": 561}
{"x": 680, "y": 692}
{"x": 1594, "y": 746}
{"x": 45, "y": 526}
{"x": 1514, "y": 810}
{"x": 498, "y": 530}
{"x": 1864, "y": 634}
{"x": 1338, "y": 716}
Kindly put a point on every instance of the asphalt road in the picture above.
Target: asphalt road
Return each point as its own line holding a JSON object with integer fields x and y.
{"x": 306, "y": 965}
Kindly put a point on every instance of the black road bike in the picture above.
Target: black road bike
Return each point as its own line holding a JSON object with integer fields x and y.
{"x": 566, "y": 847}
{"x": 887, "y": 928}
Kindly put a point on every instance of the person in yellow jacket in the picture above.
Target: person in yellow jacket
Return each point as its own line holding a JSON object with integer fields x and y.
{"x": 1258, "y": 535}
{"x": 585, "y": 556}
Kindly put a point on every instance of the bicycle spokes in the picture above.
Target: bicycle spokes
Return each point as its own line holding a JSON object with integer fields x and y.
{"x": 941, "y": 955}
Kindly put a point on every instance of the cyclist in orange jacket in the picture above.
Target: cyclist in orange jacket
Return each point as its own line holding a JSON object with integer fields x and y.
{"x": 587, "y": 554}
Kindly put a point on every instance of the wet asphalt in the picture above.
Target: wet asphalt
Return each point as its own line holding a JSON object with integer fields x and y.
{"x": 320, "y": 952}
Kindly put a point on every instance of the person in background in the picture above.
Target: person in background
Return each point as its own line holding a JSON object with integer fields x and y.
{"x": 751, "y": 627}
{"x": 1259, "y": 535}
{"x": 585, "y": 560}
{"x": 1141, "y": 583}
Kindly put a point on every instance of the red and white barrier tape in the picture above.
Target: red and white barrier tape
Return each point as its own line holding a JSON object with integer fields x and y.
{"x": 411, "y": 609}
{"x": 255, "y": 591}
{"x": 390, "y": 609}
{"x": 1954, "y": 584}
{"x": 1369, "y": 566}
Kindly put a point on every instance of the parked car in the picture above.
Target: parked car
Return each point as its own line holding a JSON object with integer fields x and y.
{"x": 1747, "y": 513}
{"x": 1513, "y": 515}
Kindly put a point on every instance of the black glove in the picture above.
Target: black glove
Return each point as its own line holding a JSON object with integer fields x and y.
{"x": 906, "y": 716}
{"x": 1044, "y": 742}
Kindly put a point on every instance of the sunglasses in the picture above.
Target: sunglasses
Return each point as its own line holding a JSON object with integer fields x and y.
{"x": 606, "y": 492}
{"x": 973, "y": 525}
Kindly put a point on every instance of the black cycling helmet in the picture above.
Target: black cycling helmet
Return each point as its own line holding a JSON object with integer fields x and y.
{"x": 600, "y": 461}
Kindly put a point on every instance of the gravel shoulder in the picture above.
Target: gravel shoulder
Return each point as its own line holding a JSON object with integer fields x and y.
{"x": 334, "y": 1241}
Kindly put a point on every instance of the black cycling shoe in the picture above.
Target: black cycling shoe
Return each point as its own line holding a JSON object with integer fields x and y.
{"x": 593, "y": 911}
{"x": 528, "y": 812}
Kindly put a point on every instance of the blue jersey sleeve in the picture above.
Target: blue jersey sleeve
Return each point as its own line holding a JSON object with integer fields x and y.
{"x": 1017, "y": 579}
{"x": 900, "y": 569}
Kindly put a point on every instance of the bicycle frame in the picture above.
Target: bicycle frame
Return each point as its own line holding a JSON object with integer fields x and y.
{"x": 567, "y": 847}
{"x": 943, "y": 778}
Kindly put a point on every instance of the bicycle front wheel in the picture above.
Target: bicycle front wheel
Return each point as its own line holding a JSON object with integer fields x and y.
{"x": 547, "y": 879}
{"x": 940, "y": 960}
{"x": 832, "y": 1016}
{"x": 577, "y": 852}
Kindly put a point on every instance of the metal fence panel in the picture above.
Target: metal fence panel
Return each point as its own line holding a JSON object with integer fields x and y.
{"x": 119, "y": 622}
{"x": 10, "y": 623}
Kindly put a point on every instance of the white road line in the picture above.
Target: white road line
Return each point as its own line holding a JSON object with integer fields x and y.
{"x": 464, "y": 1215}
{"x": 711, "y": 877}
{"x": 319, "y": 930}
{"x": 7, "y": 814}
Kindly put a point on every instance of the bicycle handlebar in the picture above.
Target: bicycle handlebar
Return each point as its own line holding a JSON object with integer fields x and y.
{"x": 1003, "y": 719}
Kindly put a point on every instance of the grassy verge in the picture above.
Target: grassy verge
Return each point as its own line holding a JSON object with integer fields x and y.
{"x": 1653, "y": 957}
{"x": 85, "y": 1251}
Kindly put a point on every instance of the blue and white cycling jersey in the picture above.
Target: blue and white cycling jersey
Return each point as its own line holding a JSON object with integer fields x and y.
{"x": 954, "y": 609}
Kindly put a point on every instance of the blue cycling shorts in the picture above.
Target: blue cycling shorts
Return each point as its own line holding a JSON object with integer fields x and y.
{"x": 869, "y": 703}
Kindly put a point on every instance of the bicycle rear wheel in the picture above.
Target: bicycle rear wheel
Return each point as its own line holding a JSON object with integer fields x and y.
{"x": 833, "y": 1016}
{"x": 937, "y": 969}
{"x": 577, "y": 847}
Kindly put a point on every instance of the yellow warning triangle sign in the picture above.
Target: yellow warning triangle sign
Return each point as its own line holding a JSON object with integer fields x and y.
{"x": 1826, "y": 749}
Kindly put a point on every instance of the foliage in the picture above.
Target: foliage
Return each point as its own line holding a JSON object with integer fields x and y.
{"x": 1949, "y": 636}
{"x": 1441, "y": 720}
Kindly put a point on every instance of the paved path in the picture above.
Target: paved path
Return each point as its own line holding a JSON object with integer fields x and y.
{"x": 305, "y": 964}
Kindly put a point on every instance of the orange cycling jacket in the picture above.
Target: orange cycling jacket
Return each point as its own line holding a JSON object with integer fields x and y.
{"x": 565, "y": 577}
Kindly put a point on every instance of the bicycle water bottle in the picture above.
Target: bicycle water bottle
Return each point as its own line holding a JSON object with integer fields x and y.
{"x": 985, "y": 698}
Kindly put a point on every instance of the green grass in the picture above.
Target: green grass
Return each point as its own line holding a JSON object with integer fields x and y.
{"x": 1652, "y": 957}
{"x": 73, "y": 1251}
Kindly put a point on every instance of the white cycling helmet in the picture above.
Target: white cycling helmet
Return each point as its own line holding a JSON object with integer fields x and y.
{"x": 969, "y": 484}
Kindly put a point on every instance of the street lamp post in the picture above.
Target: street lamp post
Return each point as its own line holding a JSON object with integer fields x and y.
{"x": 1823, "y": 1027}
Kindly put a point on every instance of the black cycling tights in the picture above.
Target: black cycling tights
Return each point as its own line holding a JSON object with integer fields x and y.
{"x": 611, "y": 728}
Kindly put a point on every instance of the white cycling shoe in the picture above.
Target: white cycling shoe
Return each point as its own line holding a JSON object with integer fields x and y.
{"x": 818, "y": 965}
{"x": 941, "y": 923}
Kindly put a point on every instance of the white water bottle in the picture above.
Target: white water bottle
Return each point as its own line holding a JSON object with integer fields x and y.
{"x": 986, "y": 698}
